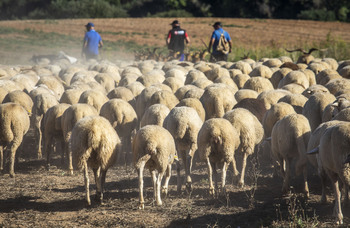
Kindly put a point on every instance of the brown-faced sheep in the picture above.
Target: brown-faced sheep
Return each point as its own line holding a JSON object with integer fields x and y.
{"x": 123, "y": 118}
{"x": 250, "y": 132}
{"x": 14, "y": 124}
{"x": 69, "y": 118}
{"x": 153, "y": 148}
{"x": 94, "y": 143}
{"x": 217, "y": 143}
{"x": 289, "y": 139}
{"x": 184, "y": 123}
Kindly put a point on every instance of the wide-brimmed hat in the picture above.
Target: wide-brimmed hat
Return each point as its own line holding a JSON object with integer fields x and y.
{"x": 218, "y": 23}
{"x": 176, "y": 22}
{"x": 90, "y": 24}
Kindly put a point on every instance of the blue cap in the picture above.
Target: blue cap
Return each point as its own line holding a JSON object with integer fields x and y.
{"x": 90, "y": 24}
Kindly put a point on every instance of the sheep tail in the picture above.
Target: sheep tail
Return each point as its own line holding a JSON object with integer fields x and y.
{"x": 82, "y": 159}
{"x": 143, "y": 159}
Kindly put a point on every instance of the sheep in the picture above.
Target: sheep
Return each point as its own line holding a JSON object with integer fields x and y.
{"x": 306, "y": 57}
{"x": 217, "y": 142}
{"x": 250, "y": 133}
{"x": 242, "y": 66}
{"x": 53, "y": 83}
{"x": 240, "y": 79}
{"x": 194, "y": 93}
{"x": 51, "y": 128}
{"x": 294, "y": 88}
{"x": 123, "y": 118}
{"x": 184, "y": 123}
{"x": 255, "y": 106}
{"x": 71, "y": 96}
{"x": 245, "y": 93}
{"x": 333, "y": 154}
{"x": 259, "y": 84}
{"x": 106, "y": 81}
{"x": 153, "y": 148}
{"x": 228, "y": 81}
{"x": 278, "y": 75}
{"x": 94, "y": 143}
{"x": 3, "y": 92}
{"x": 154, "y": 115}
{"x": 14, "y": 122}
{"x": 338, "y": 86}
{"x": 193, "y": 75}
{"x": 94, "y": 98}
{"x": 202, "y": 83}
{"x": 323, "y": 77}
{"x": 216, "y": 73}
{"x": 136, "y": 88}
{"x": 274, "y": 114}
{"x": 310, "y": 75}
{"x": 195, "y": 104}
{"x": 20, "y": 97}
{"x": 296, "y": 77}
{"x": 296, "y": 100}
{"x": 271, "y": 97}
{"x": 41, "y": 103}
{"x": 28, "y": 82}
{"x": 274, "y": 62}
{"x": 164, "y": 97}
{"x": 261, "y": 71}
{"x": 142, "y": 101}
{"x": 173, "y": 83}
{"x": 217, "y": 100}
{"x": 314, "y": 107}
{"x": 69, "y": 118}
{"x": 315, "y": 89}
{"x": 123, "y": 93}
{"x": 289, "y": 139}
{"x": 151, "y": 78}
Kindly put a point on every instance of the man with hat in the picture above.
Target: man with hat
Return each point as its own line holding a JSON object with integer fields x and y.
{"x": 214, "y": 41}
{"x": 92, "y": 41}
{"x": 176, "y": 39}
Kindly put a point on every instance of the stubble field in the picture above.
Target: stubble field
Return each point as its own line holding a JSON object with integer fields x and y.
{"x": 40, "y": 198}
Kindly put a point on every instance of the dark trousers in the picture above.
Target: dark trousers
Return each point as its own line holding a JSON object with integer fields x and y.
{"x": 215, "y": 57}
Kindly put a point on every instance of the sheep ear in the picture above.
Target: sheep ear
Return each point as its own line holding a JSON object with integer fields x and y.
{"x": 335, "y": 104}
{"x": 347, "y": 160}
{"x": 313, "y": 151}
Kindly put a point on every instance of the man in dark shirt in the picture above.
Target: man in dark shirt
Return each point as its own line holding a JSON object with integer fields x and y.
{"x": 176, "y": 39}
{"x": 92, "y": 41}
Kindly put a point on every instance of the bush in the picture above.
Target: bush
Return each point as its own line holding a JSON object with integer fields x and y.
{"x": 317, "y": 14}
{"x": 173, "y": 13}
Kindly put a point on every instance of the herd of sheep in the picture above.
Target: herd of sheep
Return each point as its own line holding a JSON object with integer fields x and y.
{"x": 154, "y": 114}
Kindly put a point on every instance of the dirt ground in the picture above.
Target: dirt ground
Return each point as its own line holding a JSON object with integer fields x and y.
{"x": 40, "y": 198}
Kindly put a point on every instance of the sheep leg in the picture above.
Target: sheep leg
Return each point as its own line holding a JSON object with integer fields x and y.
{"x": 87, "y": 184}
{"x": 61, "y": 144}
{"x": 154, "y": 181}
{"x": 323, "y": 177}
{"x": 306, "y": 186}
{"x": 158, "y": 185}
{"x": 38, "y": 135}
{"x": 69, "y": 157}
{"x": 337, "y": 195}
{"x": 167, "y": 178}
{"x": 13, "y": 148}
{"x": 215, "y": 174}
{"x": 140, "y": 169}
{"x": 210, "y": 173}
{"x": 223, "y": 177}
{"x": 48, "y": 143}
{"x": 188, "y": 172}
{"x": 285, "y": 186}
{"x": 1, "y": 158}
{"x": 178, "y": 171}
{"x": 97, "y": 175}
{"x": 244, "y": 164}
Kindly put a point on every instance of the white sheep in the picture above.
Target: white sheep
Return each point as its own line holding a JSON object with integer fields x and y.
{"x": 41, "y": 103}
{"x": 51, "y": 128}
{"x": 259, "y": 84}
{"x": 271, "y": 97}
{"x": 251, "y": 134}
{"x": 333, "y": 153}
{"x": 195, "y": 104}
{"x": 14, "y": 122}
{"x": 326, "y": 75}
{"x": 94, "y": 143}
{"x": 217, "y": 142}
{"x": 217, "y": 100}
{"x": 289, "y": 139}
{"x": 296, "y": 100}
{"x": 94, "y": 98}
{"x": 123, "y": 118}
{"x": 71, "y": 96}
{"x": 21, "y": 98}
{"x": 154, "y": 115}
{"x": 164, "y": 97}
{"x": 153, "y": 148}
{"x": 69, "y": 118}
{"x": 184, "y": 123}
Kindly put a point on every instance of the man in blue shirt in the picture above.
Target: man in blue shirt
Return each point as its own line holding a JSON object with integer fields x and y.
{"x": 92, "y": 41}
{"x": 217, "y": 55}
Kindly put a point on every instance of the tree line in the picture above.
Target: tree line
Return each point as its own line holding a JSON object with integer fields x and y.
{"x": 323, "y": 10}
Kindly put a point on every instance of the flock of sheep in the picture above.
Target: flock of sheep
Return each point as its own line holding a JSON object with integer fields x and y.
{"x": 157, "y": 113}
